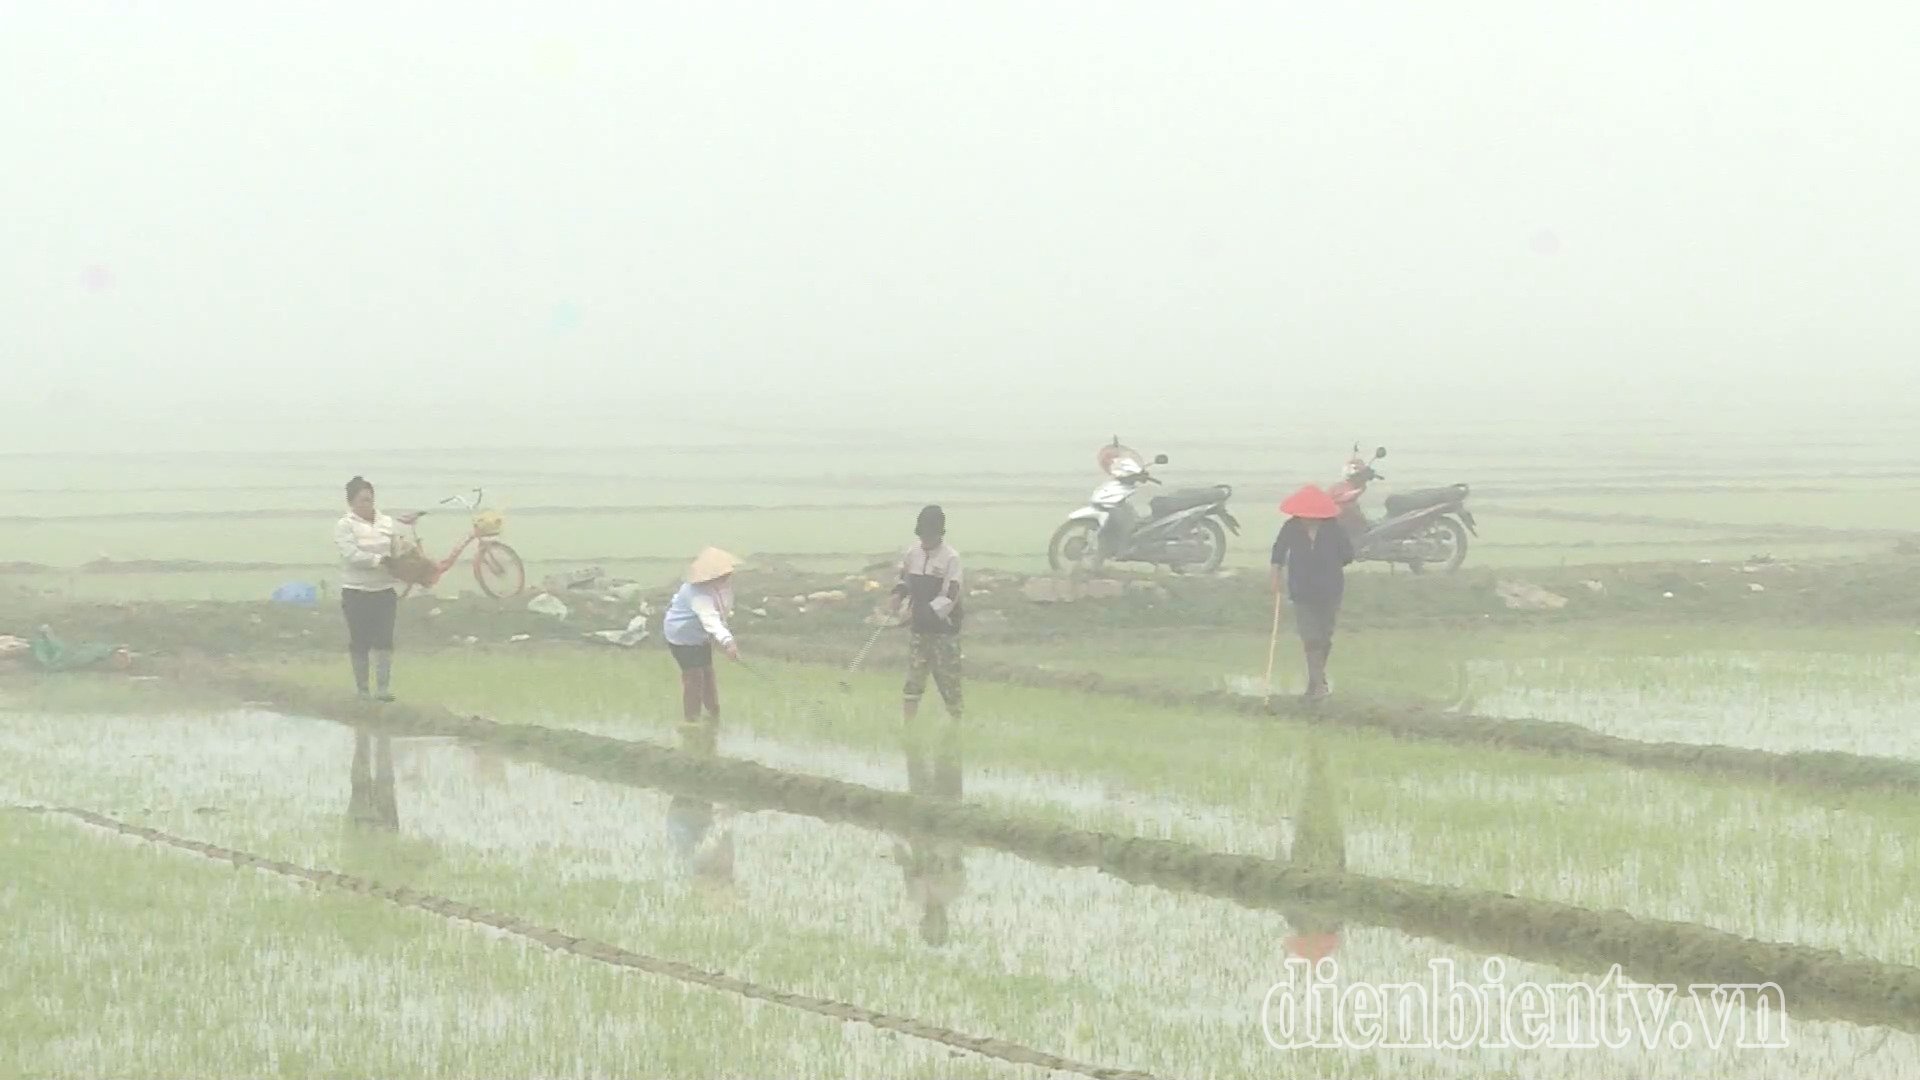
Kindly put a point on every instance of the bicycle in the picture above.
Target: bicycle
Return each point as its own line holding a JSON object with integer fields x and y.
{"x": 496, "y": 566}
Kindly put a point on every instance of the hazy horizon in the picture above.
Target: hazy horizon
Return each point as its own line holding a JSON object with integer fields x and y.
{"x": 239, "y": 229}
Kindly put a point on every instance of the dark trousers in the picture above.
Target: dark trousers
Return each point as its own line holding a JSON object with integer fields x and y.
{"x": 370, "y": 617}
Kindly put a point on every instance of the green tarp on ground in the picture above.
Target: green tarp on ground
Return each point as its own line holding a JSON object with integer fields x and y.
{"x": 56, "y": 655}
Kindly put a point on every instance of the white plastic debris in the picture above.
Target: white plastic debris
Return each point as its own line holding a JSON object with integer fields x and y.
{"x": 517, "y": 638}
{"x": 1668, "y": 595}
{"x": 1754, "y": 586}
{"x": 634, "y": 634}
{"x": 1524, "y": 596}
{"x": 547, "y": 604}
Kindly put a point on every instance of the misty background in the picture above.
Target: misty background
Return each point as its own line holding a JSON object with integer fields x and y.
{"x": 229, "y": 227}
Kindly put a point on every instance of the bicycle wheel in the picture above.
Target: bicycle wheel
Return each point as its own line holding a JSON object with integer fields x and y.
{"x": 499, "y": 570}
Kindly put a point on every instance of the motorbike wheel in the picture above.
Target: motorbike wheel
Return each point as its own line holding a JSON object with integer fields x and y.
{"x": 1444, "y": 534}
{"x": 1075, "y": 546}
{"x": 1216, "y": 548}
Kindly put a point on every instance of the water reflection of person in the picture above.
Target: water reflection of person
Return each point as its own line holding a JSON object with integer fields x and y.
{"x": 374, "y": 846}
{"x": 701, "y": 833}
{"x": 371, "y": 803}
{"x": 1319, "y": 844}
{"x": 934, "y": 870}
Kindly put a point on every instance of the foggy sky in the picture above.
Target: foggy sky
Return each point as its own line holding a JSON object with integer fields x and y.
{"x": 233, "y": 225}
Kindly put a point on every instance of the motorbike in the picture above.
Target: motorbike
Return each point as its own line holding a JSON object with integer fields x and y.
{"x": 1423, "y": 528}
{"x": 1184, "y": 530}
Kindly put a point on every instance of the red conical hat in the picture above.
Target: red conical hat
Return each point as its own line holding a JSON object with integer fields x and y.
{"x": 1313, "y": 948}
{"x": 1310, "y": 502}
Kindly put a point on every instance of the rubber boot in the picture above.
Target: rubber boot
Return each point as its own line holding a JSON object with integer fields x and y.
{"x": 383, "y": 674}
{"x": 1317, "y": 688}
{"x": 698, "y": 738}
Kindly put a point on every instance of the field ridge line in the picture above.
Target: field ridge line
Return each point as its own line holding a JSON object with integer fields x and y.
{"x": 1822, "y": 981}
{"x": 1826, "y": 769}
{"x": 603, "y": 952}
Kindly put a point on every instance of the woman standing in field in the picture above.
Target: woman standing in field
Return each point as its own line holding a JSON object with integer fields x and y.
{"x": 368, "y": 592}
{"x": 1312, "y": 551}
{"x": 696, "y": 620}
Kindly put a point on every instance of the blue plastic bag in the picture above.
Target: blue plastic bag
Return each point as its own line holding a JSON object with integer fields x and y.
{"x": 297, "y": 592}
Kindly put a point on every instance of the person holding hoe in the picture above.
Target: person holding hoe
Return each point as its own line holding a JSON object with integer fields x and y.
{"x": 695, "y": 622}
{"x": 1312, "y": 552}
{"x": 929, "y": 588}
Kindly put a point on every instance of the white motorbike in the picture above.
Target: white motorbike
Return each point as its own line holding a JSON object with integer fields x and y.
{"x": 1185, "y": 530}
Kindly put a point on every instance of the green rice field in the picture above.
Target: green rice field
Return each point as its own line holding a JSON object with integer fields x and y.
{"x": 531, "y": 867}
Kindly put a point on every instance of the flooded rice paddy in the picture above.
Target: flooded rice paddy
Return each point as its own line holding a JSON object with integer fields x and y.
{"x": 1824, "y": 869}
{"x": 279, "y": 977}
{"x": 1781, "y": 701}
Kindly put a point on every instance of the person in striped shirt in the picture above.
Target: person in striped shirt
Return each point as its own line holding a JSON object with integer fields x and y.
{"x": 929, "y": 588}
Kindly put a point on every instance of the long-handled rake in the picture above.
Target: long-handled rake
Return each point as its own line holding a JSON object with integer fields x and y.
{"x": 860, "y": 657}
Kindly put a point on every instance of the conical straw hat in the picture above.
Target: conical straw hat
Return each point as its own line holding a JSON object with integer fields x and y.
{"x": 711, "y": 563}
{"x": 1312, "y": 503}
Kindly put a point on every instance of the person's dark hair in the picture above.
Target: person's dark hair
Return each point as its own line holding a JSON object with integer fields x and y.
{"x": 356, "y": 485}
{"x": 932, "y": 524}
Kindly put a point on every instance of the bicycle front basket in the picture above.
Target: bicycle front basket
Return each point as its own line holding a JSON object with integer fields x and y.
{"x": 488, "y": 523}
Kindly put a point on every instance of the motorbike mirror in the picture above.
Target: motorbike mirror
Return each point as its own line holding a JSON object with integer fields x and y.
{"x": 1159, "y": 459}
{"x": 1379, "y": 452}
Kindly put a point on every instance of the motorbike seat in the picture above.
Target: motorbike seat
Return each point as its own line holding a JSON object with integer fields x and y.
{"x": 1419, "y": 500}
{"x": 1185, "y": 498}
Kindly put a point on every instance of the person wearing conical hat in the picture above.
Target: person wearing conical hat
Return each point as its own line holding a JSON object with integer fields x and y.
{"x": 1310, "y": 557}
{"x": 695, "y": 622}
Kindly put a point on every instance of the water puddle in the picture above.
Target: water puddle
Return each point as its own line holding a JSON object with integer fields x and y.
{"x": 1074, "y": 962}
{"x": 1777, "y": 701}
{"x": 1603, "y": 838}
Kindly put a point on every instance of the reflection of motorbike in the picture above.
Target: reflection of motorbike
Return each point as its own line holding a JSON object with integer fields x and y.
{"x": 1182, "y": 530}
{"x": 1422, "y": 528}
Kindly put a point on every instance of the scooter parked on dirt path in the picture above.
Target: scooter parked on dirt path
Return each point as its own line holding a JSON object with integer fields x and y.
{"x": 1182, "y": 531}
{"x": 1422, "y": 528}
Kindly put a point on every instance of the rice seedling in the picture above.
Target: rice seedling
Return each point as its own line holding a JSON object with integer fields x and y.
{"x": 1070, "y": 961}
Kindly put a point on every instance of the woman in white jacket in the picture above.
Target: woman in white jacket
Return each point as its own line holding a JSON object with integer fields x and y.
{"x": 368, "y": 592}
